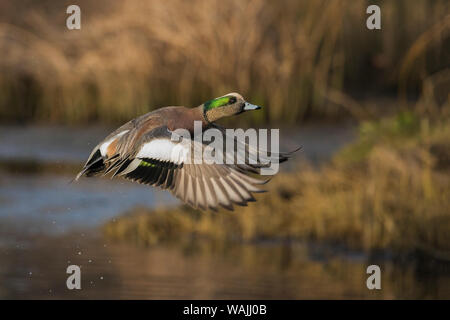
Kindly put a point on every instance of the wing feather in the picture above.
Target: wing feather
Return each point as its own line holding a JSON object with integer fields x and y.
{"x": 164, "y": 163}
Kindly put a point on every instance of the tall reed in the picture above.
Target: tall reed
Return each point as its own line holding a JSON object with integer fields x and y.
{"x": 295, "y": 57}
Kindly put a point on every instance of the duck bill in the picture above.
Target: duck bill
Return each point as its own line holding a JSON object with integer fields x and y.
{"x": 249, "y": 106}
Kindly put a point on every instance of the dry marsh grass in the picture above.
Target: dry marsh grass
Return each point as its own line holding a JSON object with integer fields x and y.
{"x": 393, "y": 194}
{"x": 295, "y": 57}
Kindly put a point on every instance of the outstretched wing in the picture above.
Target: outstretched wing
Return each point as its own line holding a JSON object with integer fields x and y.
{"x": 170, "y": 165}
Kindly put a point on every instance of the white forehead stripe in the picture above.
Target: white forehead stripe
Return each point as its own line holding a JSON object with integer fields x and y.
{"x": 165, "y": 150}
{"x": 104, "y": 146}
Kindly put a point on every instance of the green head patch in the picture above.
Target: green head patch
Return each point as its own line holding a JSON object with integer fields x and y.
{"x": 219, "y": 102}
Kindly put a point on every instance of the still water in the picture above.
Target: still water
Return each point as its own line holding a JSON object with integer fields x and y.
{"x": 35, "y": 268}
{"x": 47, "y": 224}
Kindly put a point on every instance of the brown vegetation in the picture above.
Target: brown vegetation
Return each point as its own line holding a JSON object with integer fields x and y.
{"x": 294, "y": 57}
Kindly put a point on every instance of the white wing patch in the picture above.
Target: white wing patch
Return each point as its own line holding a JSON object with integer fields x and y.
{"x": 166, "y": 150}
{"x": 104, "y": 146}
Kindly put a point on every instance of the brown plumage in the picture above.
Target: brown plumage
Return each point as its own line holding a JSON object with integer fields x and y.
{"x": 142, "y": 150}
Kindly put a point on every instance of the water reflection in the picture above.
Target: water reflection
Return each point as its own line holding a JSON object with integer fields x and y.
{"x": 47, "y": 224}
{"x": 35, "y": 268}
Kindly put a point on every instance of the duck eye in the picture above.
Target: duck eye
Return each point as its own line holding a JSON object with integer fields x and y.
{"x": 232, "y": 100}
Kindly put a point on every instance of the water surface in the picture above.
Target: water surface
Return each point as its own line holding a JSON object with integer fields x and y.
{"x": 47, "y": 224}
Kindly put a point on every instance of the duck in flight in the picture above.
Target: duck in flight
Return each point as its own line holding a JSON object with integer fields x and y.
{"x": 143, "y": 150}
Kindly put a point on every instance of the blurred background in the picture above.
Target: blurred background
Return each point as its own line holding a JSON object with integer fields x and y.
{"x": 371, "y": 185}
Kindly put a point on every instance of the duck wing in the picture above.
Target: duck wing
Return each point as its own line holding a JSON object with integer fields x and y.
{"x": 159, "y": 160}
{"x": 256, "y": 156}
{"x": 118, "y": 146}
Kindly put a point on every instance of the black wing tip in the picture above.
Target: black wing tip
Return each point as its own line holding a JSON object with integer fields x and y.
{"x": 295, "y": 150}
{"x": 289, "y": 154}
{"x": 227, "y": 206}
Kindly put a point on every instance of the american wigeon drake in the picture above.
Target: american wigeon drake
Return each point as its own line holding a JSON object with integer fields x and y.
{"x": 142, "y": 150}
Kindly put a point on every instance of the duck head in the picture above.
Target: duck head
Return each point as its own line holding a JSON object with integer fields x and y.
{"x": 225, "y": 106}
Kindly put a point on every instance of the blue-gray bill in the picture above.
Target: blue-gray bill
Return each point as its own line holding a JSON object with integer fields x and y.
{"x": 249, "y": 106}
